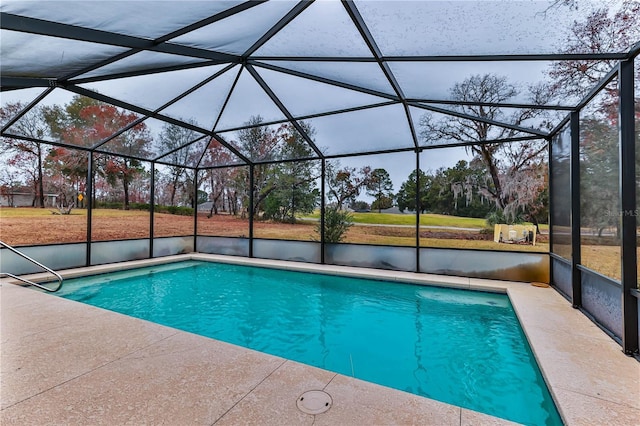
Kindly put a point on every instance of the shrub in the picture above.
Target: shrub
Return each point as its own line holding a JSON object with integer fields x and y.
{"x": 177, "y": 210}
{"x": 336, "y": 224}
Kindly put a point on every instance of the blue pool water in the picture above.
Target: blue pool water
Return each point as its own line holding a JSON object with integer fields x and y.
{"x": 461, "y": 347}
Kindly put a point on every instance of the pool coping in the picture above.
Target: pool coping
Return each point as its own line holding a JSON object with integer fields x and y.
{"x": 589, "y": 377}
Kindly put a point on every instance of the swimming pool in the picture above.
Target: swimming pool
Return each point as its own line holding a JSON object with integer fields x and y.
{"x": 461, "y": 347}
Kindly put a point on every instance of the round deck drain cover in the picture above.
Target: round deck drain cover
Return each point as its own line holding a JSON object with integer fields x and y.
{"x": 314, "y": 402}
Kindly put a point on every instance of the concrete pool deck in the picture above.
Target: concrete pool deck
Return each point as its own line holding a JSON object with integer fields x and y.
{"x": 63, "y": 362}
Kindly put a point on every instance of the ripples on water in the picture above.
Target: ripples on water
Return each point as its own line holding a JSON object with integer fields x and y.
{"x": 461, "y": 347}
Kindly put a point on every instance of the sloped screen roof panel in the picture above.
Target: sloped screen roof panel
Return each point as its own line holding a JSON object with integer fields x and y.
{"x": 347, "y": 73}
{"x": 320, "y": 30}
{"x": 333, "y": 78}
{"x": 147, "y": 19}
{"x": 30, "y": 55}
{"x": 452, "y": 28}
{"x": 237, "y": 33}
{"x": 154, "y": 90}
{"x": 141, "y": 63}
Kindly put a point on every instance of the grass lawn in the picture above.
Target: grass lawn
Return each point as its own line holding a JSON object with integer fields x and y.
{"x": 35, "y": 226}
{"x": 24, "y": 226}
{"x": 427, "y": 219}
{"x": 410, "y": 220}
{"x": 27, "y": 212}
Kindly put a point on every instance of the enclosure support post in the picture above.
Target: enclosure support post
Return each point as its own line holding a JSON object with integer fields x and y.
{"x": 417, "y": 210}
{"x": 628, "y": 208}
{"x": 152, "y": 205}
{"x": 550, "y": 191}
{"x": 89, "y": 196}
{"x": 551, "y": 208}
{"x": 195, "y": 210}
{"x": 322, "y": 206}
{"x": 250, "y": 212}
{"x": 576, "y": 276}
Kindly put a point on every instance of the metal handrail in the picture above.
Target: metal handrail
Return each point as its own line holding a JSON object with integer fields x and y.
{"x": 24, "y": 280}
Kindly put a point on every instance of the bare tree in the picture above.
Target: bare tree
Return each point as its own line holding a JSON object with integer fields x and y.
{"x": 600, "y": 32}
{"x": 346, "y": 183}
{"x": 28, "y": 155}
{"x": 508, "y": 165}
{"x": 221, "y": 181}
{"x": 9, "y": 182}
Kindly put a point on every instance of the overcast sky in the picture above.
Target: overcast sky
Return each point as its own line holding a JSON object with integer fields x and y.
{"x": 400, "y": 28}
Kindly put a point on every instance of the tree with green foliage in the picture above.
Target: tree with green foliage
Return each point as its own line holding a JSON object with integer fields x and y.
{"x": 295, "y": 189}
{"x": 381, "y": 203}
{"x": 360, "y": 206}
{"x": 406, "y": 196}
{"x": 456, "y": 190}
{"x": 380, "y": 186}
{"x": 281, "y": 189}
{"x": 452, "y": 191}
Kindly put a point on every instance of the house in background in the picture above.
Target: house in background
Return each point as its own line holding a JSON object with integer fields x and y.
{"x": 24, "y": 197}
